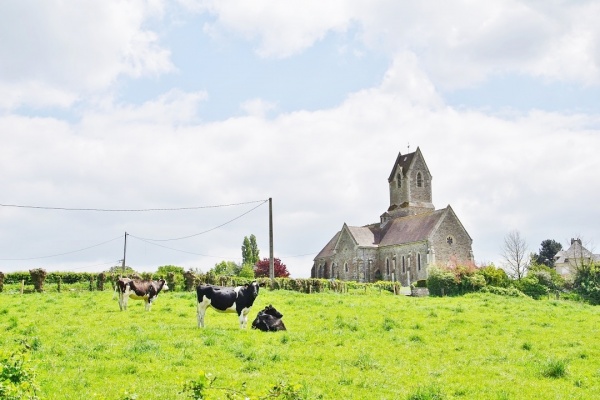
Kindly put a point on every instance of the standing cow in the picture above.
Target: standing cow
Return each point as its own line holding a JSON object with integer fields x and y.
{"x": 139, "y": 290}
{"x": 226, "y": 299}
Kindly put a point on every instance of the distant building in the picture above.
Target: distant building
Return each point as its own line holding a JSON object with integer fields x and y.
{"x": 567, "y": 261}
{"x": 410, "y": 236}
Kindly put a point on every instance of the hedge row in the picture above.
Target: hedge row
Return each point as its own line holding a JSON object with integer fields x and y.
{"x": 185, "y": 282}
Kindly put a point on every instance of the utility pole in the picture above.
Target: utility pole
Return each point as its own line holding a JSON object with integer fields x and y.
{"x": 124, "y": 253}
{"x": 271, "y": 263}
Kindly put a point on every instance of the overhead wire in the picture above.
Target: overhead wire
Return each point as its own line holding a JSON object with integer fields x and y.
{"x": 130, "y": 210}
{"x": 60, "y": 254}
{"x": 203, "y": 232}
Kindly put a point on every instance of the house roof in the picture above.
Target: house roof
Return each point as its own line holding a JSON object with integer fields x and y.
{"x": 575, "y": 252}
{"x": 363, "y": 235}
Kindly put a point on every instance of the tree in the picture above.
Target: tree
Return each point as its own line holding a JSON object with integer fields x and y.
{"x": 262, "y": 269}
{"x": 164, "y": 270}
{"x": 548, "y": 250}
{"x": 228, "y": 268}
{"x": 250, "y": 251}
{"x": 514, "y": 252}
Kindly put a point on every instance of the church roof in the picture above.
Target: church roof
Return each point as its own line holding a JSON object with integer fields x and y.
{"x": 329, "y": 247}
{"x": 363, "y": 235}
{"x": 412, "y": 228}
{"x": 408, "y": 229}
{"x": 403, "y": 161}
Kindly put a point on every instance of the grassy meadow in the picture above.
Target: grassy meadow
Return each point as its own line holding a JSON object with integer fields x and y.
{"x": 357, "y": 345}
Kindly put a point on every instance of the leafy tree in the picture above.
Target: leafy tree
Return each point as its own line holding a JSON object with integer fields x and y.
{"x": 548, "y": 249}
{"x": 227, "y": 268}
{"x": 250, "y": 252}
{"x": 261, "y": 269}
{"x": 164, "y": 270}
{"x": 246, "y": 271}
{"x": 514, "y": 250}
{"x": 118, "y": 270}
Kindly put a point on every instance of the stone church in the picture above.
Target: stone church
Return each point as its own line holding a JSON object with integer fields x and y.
{"x": 410, "y": 236}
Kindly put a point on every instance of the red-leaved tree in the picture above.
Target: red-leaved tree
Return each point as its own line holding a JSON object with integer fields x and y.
{"x": 261, "y": 269}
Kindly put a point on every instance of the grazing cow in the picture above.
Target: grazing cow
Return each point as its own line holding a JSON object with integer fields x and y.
{"x": 139, "y": 290}
{"x": 226, "y": 299}
{"x": 269, "y": 319}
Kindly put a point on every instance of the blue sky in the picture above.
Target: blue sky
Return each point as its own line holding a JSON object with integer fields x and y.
{"x": 170, "y": 104}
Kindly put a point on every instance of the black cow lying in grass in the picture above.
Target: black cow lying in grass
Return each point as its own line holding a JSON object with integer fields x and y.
{"x": 269, "y": 320}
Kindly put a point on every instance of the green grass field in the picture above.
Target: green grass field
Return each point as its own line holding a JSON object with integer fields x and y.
{"x": 355, "y": 345}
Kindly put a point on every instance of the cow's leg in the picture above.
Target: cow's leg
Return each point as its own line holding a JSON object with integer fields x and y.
{"x": 148, "y": 305}
{"x": 120, "y": 300}
{"x": 244, "y": 318}
{"x": 201, "y": 311}
{"x": 125, "y": 299}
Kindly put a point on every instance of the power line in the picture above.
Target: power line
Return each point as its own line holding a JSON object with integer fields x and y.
{"x": 129, "y": 210}
{"x": 203, "y": 232}
{"x": 170, "y": 248}
{"x": 61, "y": 254}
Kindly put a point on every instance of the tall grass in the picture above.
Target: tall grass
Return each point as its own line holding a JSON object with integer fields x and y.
{"x": 355, "y": 345}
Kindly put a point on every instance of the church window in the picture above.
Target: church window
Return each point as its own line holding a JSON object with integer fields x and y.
{"x": 387, "y": 266}
{"x": 399, "y": 180}
{"x": 403, "y": 264}
{"x": 450, "y": 240}
{"x": 419, "y": 261}
{"x": 346, "y": 266}
{"x": 419, "y": 180}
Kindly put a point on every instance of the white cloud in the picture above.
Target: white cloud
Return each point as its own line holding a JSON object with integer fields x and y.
{"x": 458, "y": 43}
{"x": 67, "y": 50}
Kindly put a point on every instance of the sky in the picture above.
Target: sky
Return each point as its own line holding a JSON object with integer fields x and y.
{"x": 171, "y": 124}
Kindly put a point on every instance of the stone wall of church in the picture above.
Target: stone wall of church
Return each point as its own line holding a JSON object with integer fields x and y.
{"x": 412, "y": 269}
{"x": 451, "y": 244}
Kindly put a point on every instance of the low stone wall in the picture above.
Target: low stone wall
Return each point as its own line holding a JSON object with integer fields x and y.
{"x": 419, "y": 291}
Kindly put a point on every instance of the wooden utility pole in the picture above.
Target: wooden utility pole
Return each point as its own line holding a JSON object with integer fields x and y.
{"x": 271, "y": 263}
{"x": 124, "y": 253}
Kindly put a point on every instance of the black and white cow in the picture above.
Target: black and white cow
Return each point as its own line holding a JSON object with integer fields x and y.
{"x": 139, "y": 290}
{"x": 269, "y": 320}
{"x": 226, "y": 299}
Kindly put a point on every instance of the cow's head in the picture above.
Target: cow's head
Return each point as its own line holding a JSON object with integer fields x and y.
{"x": 252, "y": 289}
{"x": 272, "y": 311}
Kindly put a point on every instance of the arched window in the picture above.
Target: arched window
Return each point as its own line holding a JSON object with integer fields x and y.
{"x": 399, "y": 180}
{"x": 419, "y": 261}
{"x": 403, "y": 265}
{"x": 387, "y": 266}
{"x": 346, "y": 267}
{"x": 419, "y": 180}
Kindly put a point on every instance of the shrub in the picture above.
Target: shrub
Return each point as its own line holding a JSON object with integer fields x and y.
{"x": 17, "y": 380}
{"x": 531, "y": 287}
{"x": 502, "y": 291}
{"x": 494, "y": 276}
{"x": 441, "y": 282}
{"x": 587, "y": 283}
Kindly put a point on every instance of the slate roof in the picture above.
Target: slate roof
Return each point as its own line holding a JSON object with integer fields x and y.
{"x": 329, "y": 247}
{"x": 409, "y": 229}
{"x": 363, "y": 235}
{"x": 404, "y": 161}
{"x": 575, "y": 252}
{"x": 412, "y": 228}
